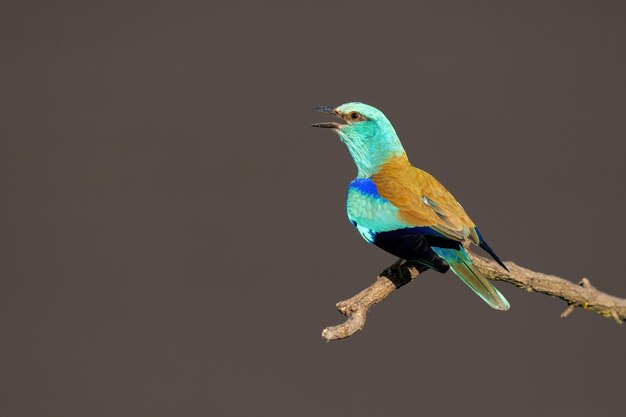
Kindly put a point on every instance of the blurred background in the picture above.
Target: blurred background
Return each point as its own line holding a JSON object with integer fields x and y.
{"x": 173, "y": 235}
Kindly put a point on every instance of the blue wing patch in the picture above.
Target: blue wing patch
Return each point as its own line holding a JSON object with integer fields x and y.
{"x": 365, "y": 186}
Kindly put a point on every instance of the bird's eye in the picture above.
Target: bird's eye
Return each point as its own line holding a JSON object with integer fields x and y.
{"x": 354, "y": 115}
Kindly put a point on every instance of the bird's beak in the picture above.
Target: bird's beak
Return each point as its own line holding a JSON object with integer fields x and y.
{"x": 329, "y": 110}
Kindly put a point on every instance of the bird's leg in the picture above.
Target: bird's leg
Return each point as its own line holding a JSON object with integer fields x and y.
{"x": 399, "y": 272}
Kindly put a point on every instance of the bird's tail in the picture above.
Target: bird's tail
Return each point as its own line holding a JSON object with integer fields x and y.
{"x": 462, "y": 266}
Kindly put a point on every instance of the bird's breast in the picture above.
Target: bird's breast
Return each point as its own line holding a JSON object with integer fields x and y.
{"x": 367, "y": 209}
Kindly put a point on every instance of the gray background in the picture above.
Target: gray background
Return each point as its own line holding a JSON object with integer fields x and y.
{"x": 173, "y": 235}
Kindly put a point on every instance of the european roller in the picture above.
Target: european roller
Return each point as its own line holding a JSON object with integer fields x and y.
{"x": 402, "y": 209}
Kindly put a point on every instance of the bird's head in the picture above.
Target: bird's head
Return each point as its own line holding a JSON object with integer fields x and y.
{"x": 369, "y": 136}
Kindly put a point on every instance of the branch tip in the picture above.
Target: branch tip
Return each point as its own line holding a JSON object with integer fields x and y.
{"x": 569, "y": 310}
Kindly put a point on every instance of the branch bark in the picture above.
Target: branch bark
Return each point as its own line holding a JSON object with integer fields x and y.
{"x": 401, "y": 272}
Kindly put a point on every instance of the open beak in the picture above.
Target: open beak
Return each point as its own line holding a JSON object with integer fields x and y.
{"x": 329, "y": 110}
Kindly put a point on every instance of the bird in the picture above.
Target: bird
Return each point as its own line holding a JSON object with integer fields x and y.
{"x": 402, "y": 209}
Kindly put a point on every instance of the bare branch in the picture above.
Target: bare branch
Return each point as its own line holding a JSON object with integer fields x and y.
{"x": 582, "y": 295}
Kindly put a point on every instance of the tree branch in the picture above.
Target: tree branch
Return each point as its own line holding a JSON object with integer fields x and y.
{"x": 401, "y": 272}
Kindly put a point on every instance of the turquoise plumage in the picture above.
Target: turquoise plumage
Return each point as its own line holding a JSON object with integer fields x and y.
{"x": 402, "y": 209}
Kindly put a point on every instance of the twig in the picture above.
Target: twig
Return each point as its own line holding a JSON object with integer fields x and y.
{"x": 582, "y": 295}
